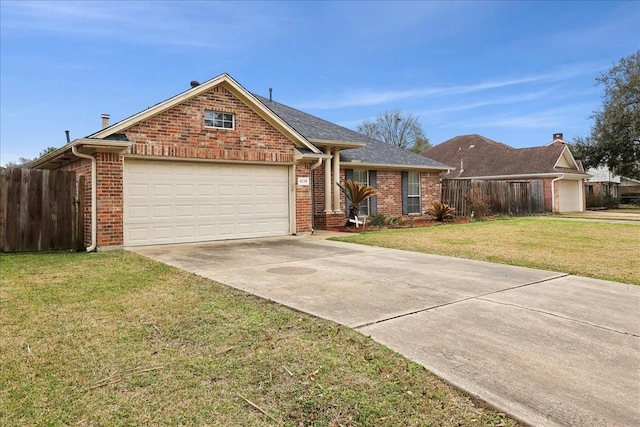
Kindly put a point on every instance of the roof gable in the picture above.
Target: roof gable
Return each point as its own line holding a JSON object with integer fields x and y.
{"x": 232, "y": 86}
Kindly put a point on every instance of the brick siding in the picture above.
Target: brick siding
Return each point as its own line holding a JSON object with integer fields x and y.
{"x": 82, "y": 167}
{"x": 389, "y": 185}
{"x": 180, "y": 133}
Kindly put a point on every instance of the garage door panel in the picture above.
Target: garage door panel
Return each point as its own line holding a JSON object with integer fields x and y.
{"x": 160, "y": 190}
{"x": 176, "y": 202}
{"x": 569, "y": 196}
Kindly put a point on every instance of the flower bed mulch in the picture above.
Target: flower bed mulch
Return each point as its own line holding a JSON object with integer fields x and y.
{"x": 407, "y": 223}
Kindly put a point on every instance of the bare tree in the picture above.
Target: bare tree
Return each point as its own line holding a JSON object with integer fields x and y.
{"x": 403, "y": 130}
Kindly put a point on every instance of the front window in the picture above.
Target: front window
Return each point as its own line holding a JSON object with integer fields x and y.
{"x": 413, "y": 193}
{"x": 362, "y": 177}
{"x": 216, "y": 119}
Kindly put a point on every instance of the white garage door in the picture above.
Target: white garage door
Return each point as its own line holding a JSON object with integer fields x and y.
{"x": 179, "y": 202}
{"x": 569, "y": 196}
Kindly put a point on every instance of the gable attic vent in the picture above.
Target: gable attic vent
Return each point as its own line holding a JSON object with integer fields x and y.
{"x": 194, "y": 83}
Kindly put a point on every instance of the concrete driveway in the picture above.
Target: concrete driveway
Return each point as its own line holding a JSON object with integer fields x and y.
{"x": 547, "y": 348}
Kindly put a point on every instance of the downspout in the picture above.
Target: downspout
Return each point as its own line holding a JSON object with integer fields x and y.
{"x": 94, "y": 206}
{"x": 316, "y": 164}
{"x": 553, "y": 193}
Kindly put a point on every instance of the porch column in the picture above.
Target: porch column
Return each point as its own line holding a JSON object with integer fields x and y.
{"x": 327, "y": 183}
{"x": 336, "y": 180}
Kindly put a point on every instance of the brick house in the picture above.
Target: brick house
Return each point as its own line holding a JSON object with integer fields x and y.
{"x": 216, "y": 162}
{"x": 604, "y": 182}
{"x": 479, "y": 158}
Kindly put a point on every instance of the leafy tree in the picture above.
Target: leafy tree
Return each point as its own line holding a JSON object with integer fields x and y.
{"x": 23, "y": 161}
{"x": 615, "y": 135}
{"x": 396, "y": 128}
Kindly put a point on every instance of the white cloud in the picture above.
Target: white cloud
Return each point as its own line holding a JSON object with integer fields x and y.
{"x": 149, "y": 23}
{"x": 371, "y": 97}
{"x": 552, "y": 118}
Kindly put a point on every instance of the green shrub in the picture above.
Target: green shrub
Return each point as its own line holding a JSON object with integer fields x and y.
{"x": 594, "y": 201}
{"x": 378, "y": 220}
{"x": 608, "y": 201}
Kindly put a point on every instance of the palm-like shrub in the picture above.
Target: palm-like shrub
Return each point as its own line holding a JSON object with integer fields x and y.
{"x": 356, "y": 193}
{"x": 441, "y": 211}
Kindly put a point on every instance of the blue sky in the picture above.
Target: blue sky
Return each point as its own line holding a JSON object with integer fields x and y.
{"x": 515, "y": 72}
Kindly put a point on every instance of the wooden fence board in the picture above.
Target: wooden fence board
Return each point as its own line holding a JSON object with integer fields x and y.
{"x": 39, "y": 211}
{"x": 502, "y": 197}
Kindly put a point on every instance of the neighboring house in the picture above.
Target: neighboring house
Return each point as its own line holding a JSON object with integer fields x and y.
{"x": 477, "y": 157}
{"x": 217, "y": 162}
{"x": 603, "y": 182}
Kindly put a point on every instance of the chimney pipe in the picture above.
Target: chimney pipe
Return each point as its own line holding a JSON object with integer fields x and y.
{"x": 105, "y": 121}
{"x": 68, "y": 138}
{"x": 557, "y": 136}
{"x": 270, "y": 94}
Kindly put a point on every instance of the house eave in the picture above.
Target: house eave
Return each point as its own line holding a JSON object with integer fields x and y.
{"x": 525, "y": 176}
{"x": 336, "y": 144}
{"x": 388, "y": 166}
{"x": 298, "y": 155}
{"x": 64, "y": 155}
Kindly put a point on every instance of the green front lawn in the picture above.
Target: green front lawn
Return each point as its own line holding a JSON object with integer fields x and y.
{"x": 593, "y": 249}
{"x": 114, "y": 339}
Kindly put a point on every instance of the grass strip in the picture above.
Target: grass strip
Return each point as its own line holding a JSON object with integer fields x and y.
{"x": 115, "y": 339}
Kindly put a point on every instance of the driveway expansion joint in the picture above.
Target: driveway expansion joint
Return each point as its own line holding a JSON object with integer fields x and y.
{"x": 478, "y": 297}
{"x": 548, "y": 313}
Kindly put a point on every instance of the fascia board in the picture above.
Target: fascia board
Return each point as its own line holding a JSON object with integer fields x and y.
{"x": 566, "y": 152}
{"x": 337, "y": 144}
{"x": 525, "y": 176}
{"x": 158, "y": 108}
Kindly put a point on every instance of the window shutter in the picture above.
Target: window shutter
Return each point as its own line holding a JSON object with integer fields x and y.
{"x": 405, "y": 193}
{"x": 348, "y": 174}
{"x": 373, "y": 201}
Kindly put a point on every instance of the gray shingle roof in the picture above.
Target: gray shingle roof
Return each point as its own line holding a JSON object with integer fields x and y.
{"x": 374, "y": 152}
{"x": 312, "y": 127}
{"x": 477, "y": 156}
{"x": 377, "y": 152}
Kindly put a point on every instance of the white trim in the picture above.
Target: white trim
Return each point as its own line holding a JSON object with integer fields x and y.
{"x": 527, "y": 176}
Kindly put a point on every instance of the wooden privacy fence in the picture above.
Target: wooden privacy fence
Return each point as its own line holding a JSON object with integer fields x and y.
{"x": 495, "y": 197}
{"x": 40, "y": 210}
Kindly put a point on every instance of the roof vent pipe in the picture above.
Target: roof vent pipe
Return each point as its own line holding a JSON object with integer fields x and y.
{"x": 270, "y": 94}
{"x": 195, "y": 83}
{"x": 105, "y": 120}
{"x": 66, "y": 132}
